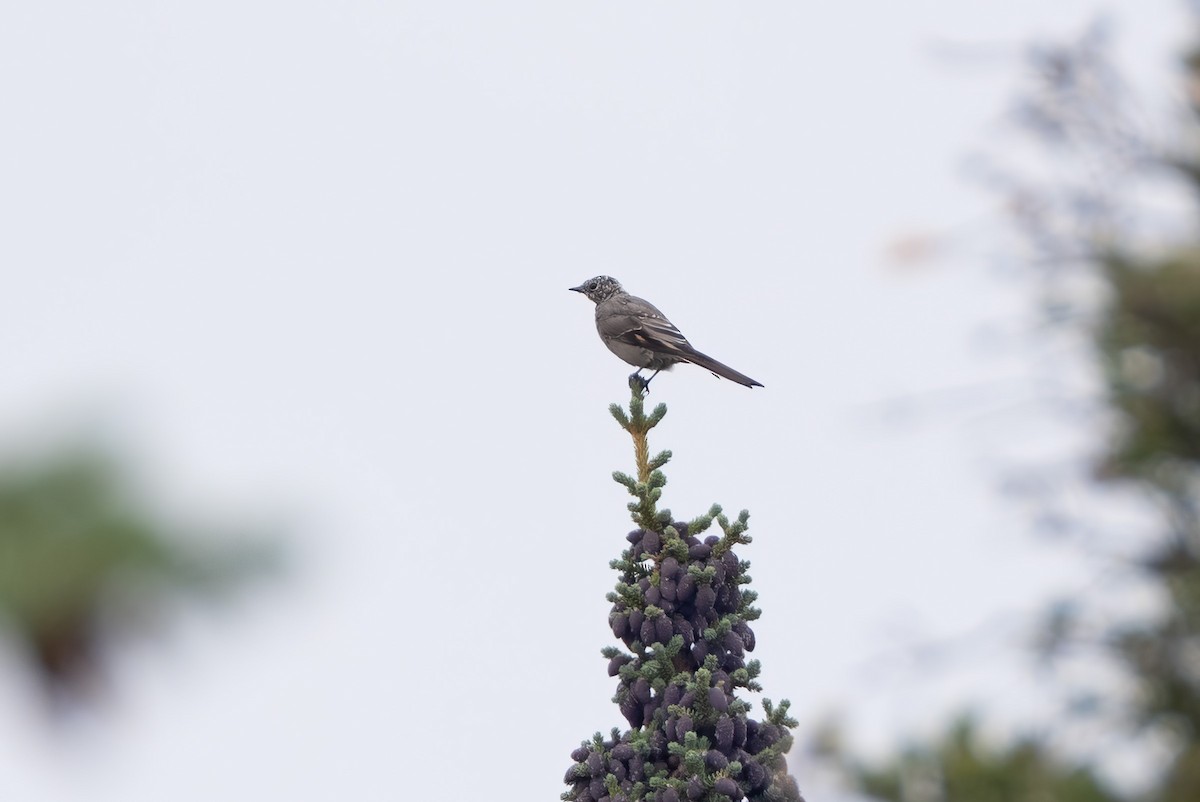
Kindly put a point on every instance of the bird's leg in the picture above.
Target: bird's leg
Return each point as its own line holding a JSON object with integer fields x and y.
{"x": 652, "y": 375}
{"x": 639, "y": 383}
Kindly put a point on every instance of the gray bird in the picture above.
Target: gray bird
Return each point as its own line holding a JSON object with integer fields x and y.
{"x": 641, "y": 335}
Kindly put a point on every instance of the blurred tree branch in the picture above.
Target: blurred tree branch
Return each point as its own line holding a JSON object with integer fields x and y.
{"x": 1132, "y": 286}
{"x": 81, "y": 561}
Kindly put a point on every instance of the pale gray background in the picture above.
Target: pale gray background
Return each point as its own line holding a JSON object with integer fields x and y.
{"x": 309, "y": 261}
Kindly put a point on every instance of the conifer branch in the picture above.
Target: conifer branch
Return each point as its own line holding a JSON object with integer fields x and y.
{"x": 681, "y": 611}
{"x": 638, "y": 424}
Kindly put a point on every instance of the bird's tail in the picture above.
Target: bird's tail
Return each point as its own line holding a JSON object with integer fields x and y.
{"x": 718, "y": 368}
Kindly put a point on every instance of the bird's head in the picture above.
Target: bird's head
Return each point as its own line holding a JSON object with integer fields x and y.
{"x": 600, "y": 288}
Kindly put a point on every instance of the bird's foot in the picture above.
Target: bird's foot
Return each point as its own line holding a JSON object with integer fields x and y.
{"x": 638, "y": 383}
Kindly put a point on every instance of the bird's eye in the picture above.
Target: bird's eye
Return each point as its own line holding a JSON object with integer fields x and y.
{"x": 592, "y": 285}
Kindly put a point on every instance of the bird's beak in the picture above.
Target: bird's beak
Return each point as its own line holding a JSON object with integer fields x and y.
{"x": 576, "y": 289}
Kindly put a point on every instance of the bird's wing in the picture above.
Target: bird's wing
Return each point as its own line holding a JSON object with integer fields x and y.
{"x": 657, "y": 334}
{"x": 639, "y": 323}
{"x": 635, "y": 322}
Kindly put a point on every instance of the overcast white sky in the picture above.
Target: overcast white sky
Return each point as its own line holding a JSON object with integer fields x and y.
{"x": 310, "y": 260}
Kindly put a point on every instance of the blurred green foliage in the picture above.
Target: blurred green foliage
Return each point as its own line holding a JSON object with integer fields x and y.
{"x": 81, "y": 562}
{"x": 963, "y": 766}
{"x": 1149, "y": 342}
{"x": 1146, "y": 339}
